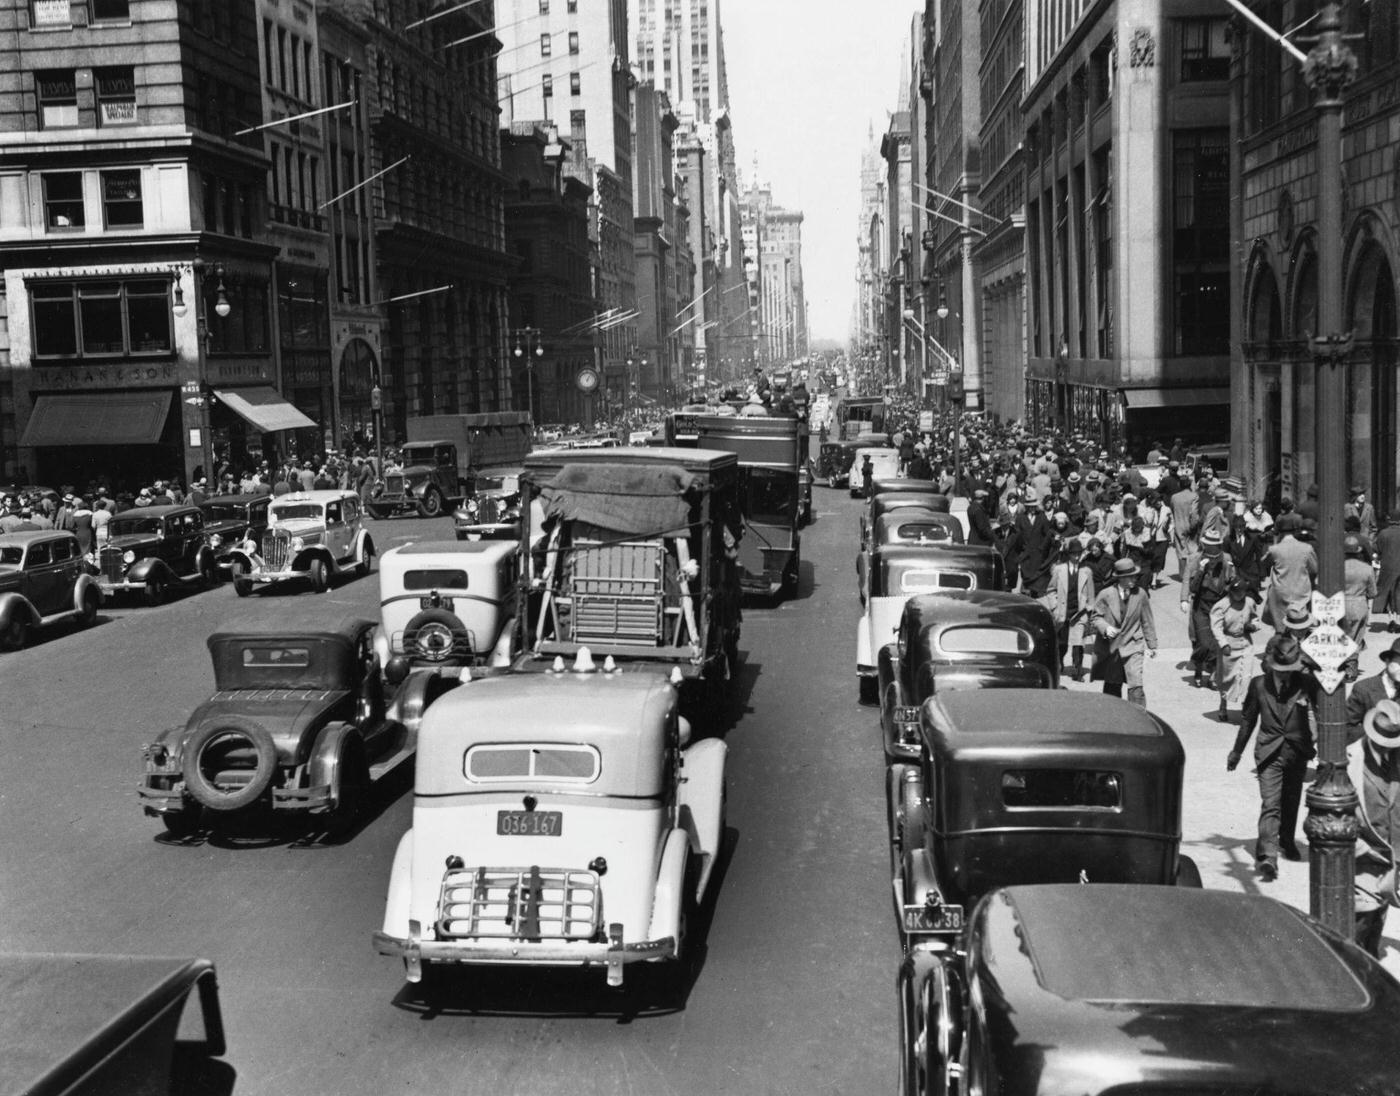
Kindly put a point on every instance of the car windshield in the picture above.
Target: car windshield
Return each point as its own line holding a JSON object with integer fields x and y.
{"x": 497, "y": 484}
{"x": 294, "y": 510}
{"x": 228, "y": 511}
{"x": 417, "y": 456}
{"x": 125, "y": 527}
{"x": 771, "y": 495}
{"x": 11, "y": 555}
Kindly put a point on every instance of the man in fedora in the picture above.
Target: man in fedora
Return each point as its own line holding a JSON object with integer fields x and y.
{"x": 1207, "y": 578}
{"x": 1370, "y": 691}
{"x": 1378, "y": 823}
{"x": 1123, "y": 628}
{"x": 1281, "y": 703}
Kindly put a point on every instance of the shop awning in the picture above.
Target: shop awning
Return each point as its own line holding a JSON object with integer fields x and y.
{"x": 1175, "y": 397}
{"x": 97, "y": 418}
{"x": 264, "y": 409}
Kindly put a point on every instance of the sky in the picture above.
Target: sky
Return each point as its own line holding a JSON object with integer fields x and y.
{"x": 806, "y": 80}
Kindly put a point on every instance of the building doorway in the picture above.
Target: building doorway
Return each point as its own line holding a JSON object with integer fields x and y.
{"x": 1371, "y": 411}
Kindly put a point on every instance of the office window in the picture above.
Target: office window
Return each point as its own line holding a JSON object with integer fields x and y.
{"x": 121, "y": 199}
{"x": 87, "y": 319}
{"x": 545, "y": 47}
{"x": 58, "y": 98}
{"x": 575, "y": 85}
{"x": 544, "y": 7}
{"x": 578, "y": 124}
{"x": 573, "y": 41}
{"x": 63, "y": 201}
{"x": 1205, "y": 54}
{"x": 547, "y": 85}
{"x": 116, "y": 95}
{"x": 111, "y": 11}
{"x": 282, "y": 58}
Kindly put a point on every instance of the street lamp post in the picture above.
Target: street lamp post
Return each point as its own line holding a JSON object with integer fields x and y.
{"x": 204, "y": 396}
{"x": 522, "y": 352}
{"x": 954, "y": 390}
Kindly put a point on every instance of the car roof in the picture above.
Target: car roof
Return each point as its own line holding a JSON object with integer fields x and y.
{"x": 314, "y": 496}
{"x": 348, "y": 631}
{"x": 443, "y": 552}
{"x": 943, "y": 552}
{"x": 25, "y": 537}
{"x": 997, "y": 724}
{"x": 224, "y": 500}
{"x": 960, "y": 606}
{"x": 154, "y": 511}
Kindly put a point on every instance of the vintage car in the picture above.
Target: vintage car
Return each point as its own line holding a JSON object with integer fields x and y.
{"x": 834, "y": 461}
{"x": 584, "y": 835}
{"x": 907, "y": 485}
{"x": 428, "y": 481}
{"x": 633, "y": 553}
{"x": 111, "y": 1024}
{"x": 298, "y": 721}
{"x": 1031, "y": 786}
{"x": 894, "y": 573}
{"x": 310, "y": 535}
{"x": 43, "y": 579}
{"x": 883, "y": 460}
{"x": 493, "y": 509}
{"x": 229, "y": 520}
{"x": 443, "y": 606}
{"x": 979, "y": 639}
{"x": 1144, "y": 991}
{"x": 152, "y": 548}
{"x": 925, "y": 499}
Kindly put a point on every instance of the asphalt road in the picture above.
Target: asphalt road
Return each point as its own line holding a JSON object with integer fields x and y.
{"x": 794, "y": 992}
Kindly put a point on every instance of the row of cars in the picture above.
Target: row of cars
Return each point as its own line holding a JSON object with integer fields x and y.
{"x": 586, "y": 835}
{"x": 1056, "y": 938}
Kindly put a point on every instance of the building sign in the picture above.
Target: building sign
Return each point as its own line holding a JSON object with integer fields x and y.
{"x": 52, "y": 13}
{"x": 105, "y": 376}
{"x": 227, "y": 372}
{"x": 1330, "y": 648}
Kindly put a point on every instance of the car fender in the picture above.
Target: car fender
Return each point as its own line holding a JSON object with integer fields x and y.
{"x": 323, "y": 764}
{"x": 244, "y": 557}
{"x": 932, "y": 1004}
{"x": 316, "y": 551}
{"x": 701, "y": 802}
{"x": 887, "y": 674}
{"x": 14, "y": 605}
{"x": 85, "y": 583}
{"x": 397, "y": 901}
{"x": 920, "y": 880}
{"x": 382, "y": 653}
{"x": 503, "y": 653}
{"x": 143, "y": 570}
{"x": 670, "y": 885}
{"x": 418, "y": 690}
{"x": 205, "y": 561}
{"x": 364, "y": 546}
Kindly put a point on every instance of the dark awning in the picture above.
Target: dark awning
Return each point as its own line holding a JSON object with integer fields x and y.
{"x": 1175, "y": 397}
{"x": 98, "y": 418}
{"x": 264, "y": 409}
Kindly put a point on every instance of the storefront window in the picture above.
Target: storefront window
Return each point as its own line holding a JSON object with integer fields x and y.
{"x": 101, "y": 319}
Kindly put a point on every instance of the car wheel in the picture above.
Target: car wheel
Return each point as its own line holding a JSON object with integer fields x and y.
{"x": 183, "y": 823}
{"x": 316, "y": 572}
{"x": 430, "y": 506}
{"x": 87, "y": 612}
{"x": 367, "y": 563}
{"x": 1187, "y": 874}
{"x": 353, "y": 790}
{"x": 156, "y": 590}
{"x": 16, "y": 634}
{"x": 242, "y": 584}
{"x": 228, "y": 763}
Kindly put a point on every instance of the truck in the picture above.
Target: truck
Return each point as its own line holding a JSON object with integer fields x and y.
{"x": 860, "y": 415}
{"x": 770, "y": 456}
{"x": 442, "y": 457}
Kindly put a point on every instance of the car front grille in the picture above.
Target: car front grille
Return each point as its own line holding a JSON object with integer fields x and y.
{"x": 393, "y": 485}
{"x": 277, "y": 547}
{"x": 531, "y": 903}
{"x": 488, "y": 511}
{"x": 113, "y": 569}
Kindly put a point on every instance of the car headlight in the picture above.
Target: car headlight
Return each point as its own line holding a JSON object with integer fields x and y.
{"x": 298, "y": 544}
{"x": 128, "y": 556}
{"x": 216, "y": 541}
{"x": 472, "y": 507}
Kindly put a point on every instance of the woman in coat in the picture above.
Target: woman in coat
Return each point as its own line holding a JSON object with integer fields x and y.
{"x": 1233, "y": 621}
{"x": 1388, "y": 581}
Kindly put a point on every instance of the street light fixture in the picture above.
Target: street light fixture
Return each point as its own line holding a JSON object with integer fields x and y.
{"x": 523, "y": 338}
{"x": 204, "y": 398}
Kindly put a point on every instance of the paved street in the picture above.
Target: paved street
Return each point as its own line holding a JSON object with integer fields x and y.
{"x": 795, "y": 992}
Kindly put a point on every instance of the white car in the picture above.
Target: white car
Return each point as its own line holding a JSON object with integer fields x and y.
{"x": 884, "y": 461}
{"x": 311, "y": 535}
{"x": 561, "y": 818}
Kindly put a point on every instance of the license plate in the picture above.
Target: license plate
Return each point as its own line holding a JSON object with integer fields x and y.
{"x": 529, "y": 823}
{"x": 933, "y": 918}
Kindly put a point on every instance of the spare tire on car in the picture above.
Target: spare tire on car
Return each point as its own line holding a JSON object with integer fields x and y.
{"x": 436, "y": 635}
{"x": 228, "y": 763}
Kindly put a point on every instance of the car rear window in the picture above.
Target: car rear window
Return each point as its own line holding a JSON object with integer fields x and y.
{"x": 267, "y": 657}
{"x": 435, "y": 579}
{"x": 540, "y": 761}
{"x": 1060, "y": 789}
{"x": 924, "y": 582}
{"x": 924, "y": 532}
{"x": 982, "y": 640}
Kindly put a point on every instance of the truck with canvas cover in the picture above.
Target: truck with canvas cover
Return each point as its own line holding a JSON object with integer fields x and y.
{"x": 857, "y": 416}
{"x": 769, "y": 452}
{"x": 632, "y": 554}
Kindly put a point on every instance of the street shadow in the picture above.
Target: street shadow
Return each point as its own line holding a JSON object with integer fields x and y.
{"x": 1240, "y": 861}
{"x": 648, "y": 990}
{"x": 740, "y": 694}
{"x": 383, "y": 794}
{"x": 194, "y": 1073}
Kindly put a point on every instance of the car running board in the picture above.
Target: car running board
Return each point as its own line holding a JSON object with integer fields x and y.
{"x": 379, "y": 768}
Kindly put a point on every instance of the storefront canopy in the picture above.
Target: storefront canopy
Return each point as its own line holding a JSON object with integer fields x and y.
{"x": 97, "y": 418}
{"x": 263, "y": 409}
{"x": 1175, "y": 397}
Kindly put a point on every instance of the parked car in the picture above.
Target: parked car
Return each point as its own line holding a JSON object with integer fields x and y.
{"x": 110, "y": 1024}
{"x": 43, "y": 579}
{"x": 312, "y": 536}
{"x": 229, "y": 520}
{"x": 834, "y": 462}
{"x": 894, "y": 573}
{"x": 904, "y": 524}
{"x": 1148, "y": 991}
{"x": 981, "y": 639}
{"x": 152, "y": 548}
{"x": 298, "y": 721}
{"x": 559, "y": 819}
{"x": 884, "y": 461}
{"x": 428, "y": 481}
{"x": 911, "y": 485}
{"x": 1031, "y": 786}
{"x": 927, "y": 499}
{"x": 493, "y": 509}
{"x": 445, "y": 606}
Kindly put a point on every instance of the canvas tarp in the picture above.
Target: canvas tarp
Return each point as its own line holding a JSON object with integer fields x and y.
{"x": 639, "y": 499}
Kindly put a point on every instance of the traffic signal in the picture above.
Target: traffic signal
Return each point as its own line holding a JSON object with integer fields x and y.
{"x": 955, "y": 387}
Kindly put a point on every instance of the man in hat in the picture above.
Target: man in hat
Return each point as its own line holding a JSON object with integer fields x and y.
{"x": 1281, "y": 703}
{"x": 979, "y": 521}
{"x": 1370, "y": 691}
{"x": 1033, "y": 542}
{"x": 1123, "y": 628}
{"x": 1217, "y": 514}
{"x": 1359, "y": 588}
{"x": 1310, "y": 508}
{"x": 1378, "y": 823}
{"x": 1171, "y": 481}
{"x": 1363, "y": 511}
{"x": 1207, "y": 581}
{"x": 1292, "y": 570}
{"x": 1186, "y": 526}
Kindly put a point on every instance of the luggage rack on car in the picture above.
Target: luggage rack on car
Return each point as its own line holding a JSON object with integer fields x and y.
{"x": 531, "y": 903}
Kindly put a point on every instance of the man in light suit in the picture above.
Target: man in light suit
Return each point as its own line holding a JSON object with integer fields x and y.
{"x": 1293, "y": 570}
{"x": 1124, "y": 628}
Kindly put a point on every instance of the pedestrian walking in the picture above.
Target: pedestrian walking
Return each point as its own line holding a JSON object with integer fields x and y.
{"x": 1280, "y": 703}
{"x": 1233, "y": 621}
{"x": 1387, "y": 599}
{"x": 1250, "y": 555}
{"x": 1124, "y": 629}
{"x": 1378, "y": 824}
{"x": 1292, "y": 571}
{"x": 1363, "y": 511}
{"x": 1080, "y": 604}
{"x": 1186, "y": 524}
{"x": 1359, "y": 588}
{"x": 1207, "y": 580}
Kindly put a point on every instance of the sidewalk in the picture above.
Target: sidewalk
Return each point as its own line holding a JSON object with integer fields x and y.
{"x": 1221, "y": 809}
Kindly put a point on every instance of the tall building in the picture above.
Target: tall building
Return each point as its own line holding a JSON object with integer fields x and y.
{"x": 900, "y": 274}
{"x": 872, "y": 256}
{"x": 773, "y": 250}
{"x": 654, "y": 205}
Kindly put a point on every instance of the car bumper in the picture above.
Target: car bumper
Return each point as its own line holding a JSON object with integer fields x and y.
{"x": 613, "y": 953}
{"x": 173, "y": 800}
{"x": 495, "y": 530}
{"x": 273, "y": 576}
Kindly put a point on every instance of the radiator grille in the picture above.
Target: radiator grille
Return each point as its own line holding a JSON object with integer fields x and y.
{"x": 277, "y": 547}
